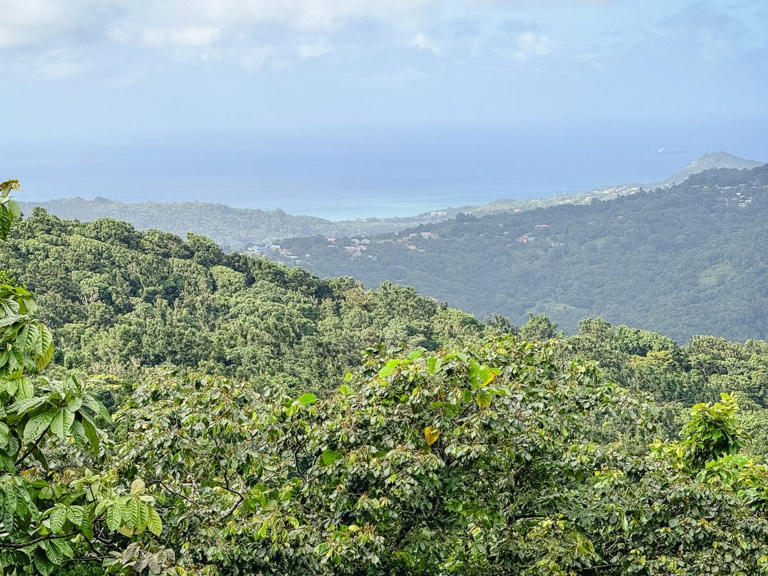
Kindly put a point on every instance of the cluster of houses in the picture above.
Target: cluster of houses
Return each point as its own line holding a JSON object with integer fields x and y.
{"x": 414, "y": 235}
{"x": 261, "y": 249}
{"x": 739, "y": 200}
{"x": 528, "y": 236}
{"x": 356, "y": 249}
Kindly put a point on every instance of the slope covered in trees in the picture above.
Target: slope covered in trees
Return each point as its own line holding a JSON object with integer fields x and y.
{"x": 118, "y": 298}
{"x": 456, "y": 448}
{"x": 684, "y": 260}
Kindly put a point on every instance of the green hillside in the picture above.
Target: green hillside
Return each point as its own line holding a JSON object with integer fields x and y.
{"x": 684, "y": 260}
{"x": 233, "y": 426}
{"x": 118, "y": 298}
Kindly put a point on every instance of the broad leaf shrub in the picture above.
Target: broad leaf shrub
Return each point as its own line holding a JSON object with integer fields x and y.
{"x": 503, "y": 458}
{"x": 56, "y": 512}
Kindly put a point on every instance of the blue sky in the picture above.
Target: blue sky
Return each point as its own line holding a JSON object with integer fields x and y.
{"x": 267, "y": 96}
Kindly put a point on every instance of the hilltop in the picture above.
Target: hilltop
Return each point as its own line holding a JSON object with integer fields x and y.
{"x": 711, "y": 161}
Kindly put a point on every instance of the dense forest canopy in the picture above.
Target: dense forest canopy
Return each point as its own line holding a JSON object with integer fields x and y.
{"x": 212, "y": 414}
{"x": 118, "y": 298}
{"x": 683, "y": 260}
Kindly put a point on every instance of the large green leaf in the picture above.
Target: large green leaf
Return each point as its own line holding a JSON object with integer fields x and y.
{"x": 308, "y": 398}
{"x": 114, "y": 515}
{"x": 154, "y": 523}
{"x": 143, "y": 518}
{"x": 62, "y": 422}
{"x": 37, "y": 425}
{"x": 58, "y": 517}
{"x": 27, "y": 405}
{"x": 90, "y": 432}
{"x": 95, "y": 406}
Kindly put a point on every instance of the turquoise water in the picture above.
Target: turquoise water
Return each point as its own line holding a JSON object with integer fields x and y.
{"x": 363, "y": 173}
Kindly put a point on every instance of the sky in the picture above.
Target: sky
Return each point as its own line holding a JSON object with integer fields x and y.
{"x": 372, "y": 107}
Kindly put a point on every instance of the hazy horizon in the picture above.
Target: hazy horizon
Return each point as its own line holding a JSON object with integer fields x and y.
{"x": 351, "y": 109}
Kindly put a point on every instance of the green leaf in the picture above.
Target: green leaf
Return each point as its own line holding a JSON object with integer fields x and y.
{"x": 96, "y": 407}
{"x": 57, "y": 518}
{"x": 4, "y": 435}
{"x": 21, "y": 407}
{"x": 483, "y": 398}
{"x": 46, "y": 347}
{"x": 11, "y": 386}
{"x": 330, "y": 456}
{"x": 42, "y": 564}
{"x": 75, "y": 515}
{"x": 143, "y": 518}
{"x": 59, "y": 549}
{"x": 62, "y": 422}
{"x": 131, "y": 512}
{"x": 36, "y": 426}
{"x": 90, "y": 432}
{"x": 52, "y": 553}
{"x": 154, "y": 523}
{"x": 26, "y": 389}
{"x": 389, "y": 367}
{"x": 308, "y": 398}
{"x": 114, "y": 515}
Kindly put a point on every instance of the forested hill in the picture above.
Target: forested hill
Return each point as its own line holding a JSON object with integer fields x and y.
{"x": 449, "y": 448}
{"x": 685, "y": 260}
{"x": 118, "y": 298}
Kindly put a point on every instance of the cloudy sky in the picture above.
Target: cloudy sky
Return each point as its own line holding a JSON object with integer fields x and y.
{"x": 273, "y": 92}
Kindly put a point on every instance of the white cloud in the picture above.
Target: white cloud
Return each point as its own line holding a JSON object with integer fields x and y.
{"x": 532, "y": 45}
{"x": 250, "y": 32}
{"x": 189, "y": 37}
{"x": 313, "y": 49}
{"x": 60, "y": 63}
{"x": 253, "y": 33}
{"x": 421, "y": 42}
{"x": 43, "y": 22}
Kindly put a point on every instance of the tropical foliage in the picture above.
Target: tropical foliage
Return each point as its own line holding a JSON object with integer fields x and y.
{"x": 119, "y": 300}
{"x": 244, "y": 434}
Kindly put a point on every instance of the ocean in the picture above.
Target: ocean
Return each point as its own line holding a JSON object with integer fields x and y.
{"x": 359, "y": 172}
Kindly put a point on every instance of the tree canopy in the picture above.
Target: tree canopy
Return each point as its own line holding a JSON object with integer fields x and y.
{"x": 201, "y": 413}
